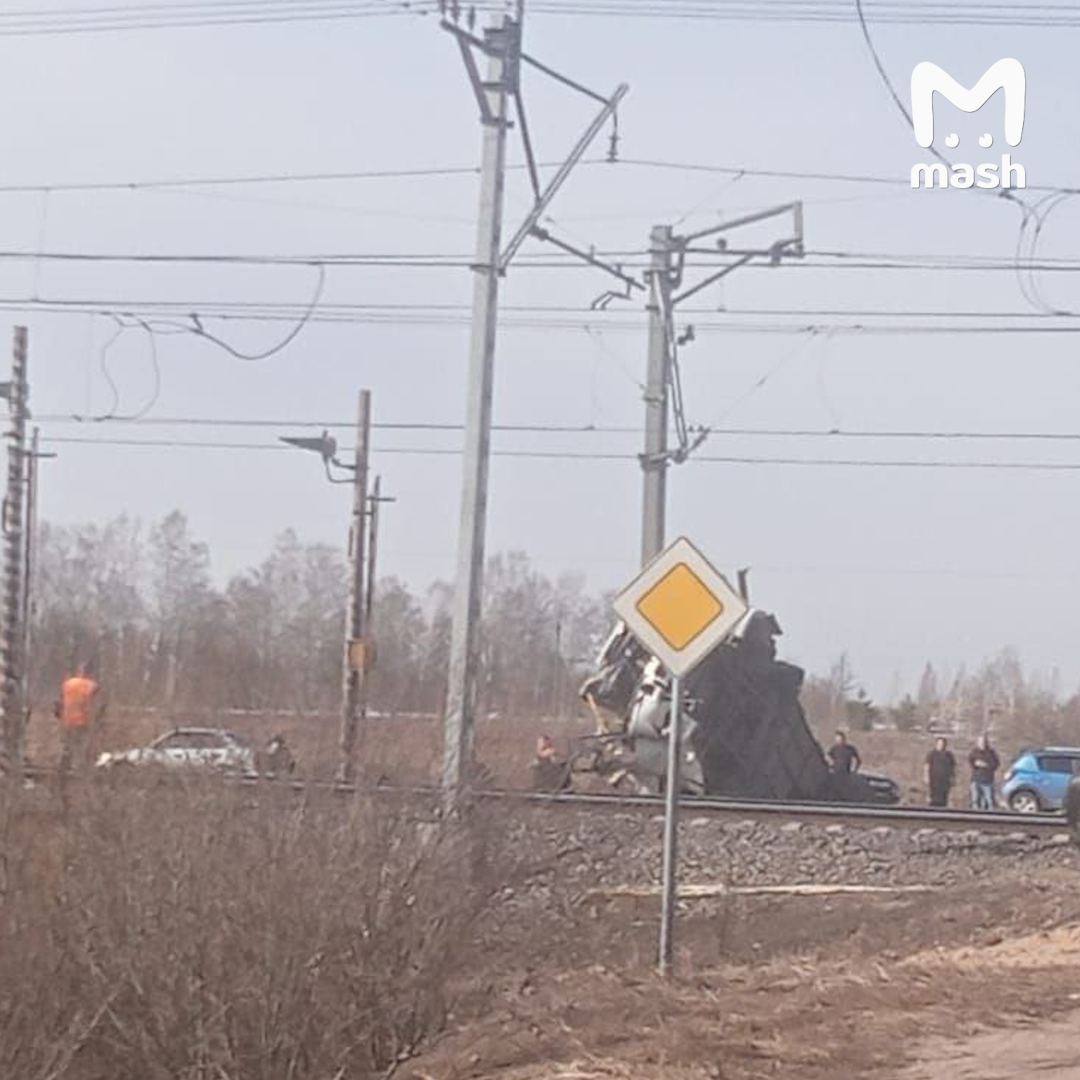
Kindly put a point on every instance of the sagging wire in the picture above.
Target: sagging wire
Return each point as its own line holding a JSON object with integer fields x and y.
{"x": 152, "y": 328}
{"x": 1032, "y": 217}
{"x": 196, "y": 327}
{"x": 876, "y": 57}
{"x": 1031, "y": 228}
{"x": 123, "y": 324}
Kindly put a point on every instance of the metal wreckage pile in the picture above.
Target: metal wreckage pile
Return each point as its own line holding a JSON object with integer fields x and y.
{"x": 744, "y": 731}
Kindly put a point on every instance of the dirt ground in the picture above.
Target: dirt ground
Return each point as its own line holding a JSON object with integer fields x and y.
{"x": 1049, "y": 1050}
{"x": 977, "y": 971}
{"x": 963, "y": 963}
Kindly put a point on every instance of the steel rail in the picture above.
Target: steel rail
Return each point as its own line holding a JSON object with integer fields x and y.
{"x": 852, "y": 814}
{"x": 907, "y": 817}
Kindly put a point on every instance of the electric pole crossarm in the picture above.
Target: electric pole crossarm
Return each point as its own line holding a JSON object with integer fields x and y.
{"x": 563, "y": 79}
{"x": 475, "y": 81}
{"x": 501, "y": 44}
{"x": 663, "y": 386}
{"x": 560, "y": 176}
{"x": 588, "y": 257}
{"x": 526, "y": 142}
{"x": 794, "y": 208}
{"x": 712, "y": 278}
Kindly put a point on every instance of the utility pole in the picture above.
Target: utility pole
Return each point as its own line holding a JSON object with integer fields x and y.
{"x": 503, "y": 44}
{"x": 372, "y": 551}
{"x": 30, "y": 558}
{"x": 668, "y": 255}
{"x": 28, "y": 546}
{"x": 654, "y": 461}
{"x": 354, "y": 666}
{"x": 12, "y": 640}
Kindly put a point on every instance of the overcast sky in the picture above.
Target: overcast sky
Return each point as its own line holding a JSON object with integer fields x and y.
{"x": 893, "y": 565}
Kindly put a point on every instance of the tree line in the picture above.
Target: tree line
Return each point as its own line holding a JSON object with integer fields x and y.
{"x": 140, "y": 605}
{"x": 998, "y": 695}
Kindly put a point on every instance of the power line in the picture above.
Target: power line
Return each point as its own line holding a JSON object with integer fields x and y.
{"x": 585, "y": 321}
{"x": 260, "y": 178}
{"x": 569, "y": 455}
{"x": 268, "y": 12}
{"x": 592, "y": 321}
{"x": 634, "y": 258}
{"x": 194, "y": 16}
{"x": 434, "y": 172}
{"x": 578, "y": 429}
{"x": 290, "y": 309}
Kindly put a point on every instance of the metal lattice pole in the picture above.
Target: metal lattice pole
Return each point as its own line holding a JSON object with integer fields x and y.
{"x": 12, "y": 637}
{"x": 29, "y": 563}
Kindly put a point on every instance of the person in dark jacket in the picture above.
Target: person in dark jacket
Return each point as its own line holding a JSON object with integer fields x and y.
{"x": 279, "y": 760}
{"x": 984, "y": 764}
{"x": 843, "y": 757}
{"x": 940, "y": 772}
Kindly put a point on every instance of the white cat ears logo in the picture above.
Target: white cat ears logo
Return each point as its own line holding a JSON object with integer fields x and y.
{"x": 1006, "y": 75}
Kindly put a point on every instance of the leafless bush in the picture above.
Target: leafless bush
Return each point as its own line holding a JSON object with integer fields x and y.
{"x": 191, "y": 932}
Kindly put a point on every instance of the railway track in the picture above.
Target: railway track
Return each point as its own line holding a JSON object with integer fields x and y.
{"x": 846, "y": 814}
{"x": 905, "y": 817}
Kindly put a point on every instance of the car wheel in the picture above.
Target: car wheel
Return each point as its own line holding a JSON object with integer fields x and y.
{"x": 1024, "y": 802}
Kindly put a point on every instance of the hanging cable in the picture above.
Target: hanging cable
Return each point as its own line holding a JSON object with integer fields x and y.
{"x": 112, "y": 412}
{"x": 196, "y": 327}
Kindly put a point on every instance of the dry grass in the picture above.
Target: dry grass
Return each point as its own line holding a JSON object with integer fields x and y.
{"x": 194, "y": 932}
{"x": 404, "y": 749}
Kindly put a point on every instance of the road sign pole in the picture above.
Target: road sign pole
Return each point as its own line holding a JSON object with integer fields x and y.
{"x": 679, "y": 608}
{"x": 671, "y": 832}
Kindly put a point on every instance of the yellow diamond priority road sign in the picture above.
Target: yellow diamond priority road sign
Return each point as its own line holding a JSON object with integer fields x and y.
{"x": 679, "y": 607}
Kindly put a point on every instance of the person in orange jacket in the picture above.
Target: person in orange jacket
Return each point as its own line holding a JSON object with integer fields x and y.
{"x": 79, "y": 709}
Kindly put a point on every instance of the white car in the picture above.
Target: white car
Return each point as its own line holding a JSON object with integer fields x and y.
{"x": 201, "y": 748}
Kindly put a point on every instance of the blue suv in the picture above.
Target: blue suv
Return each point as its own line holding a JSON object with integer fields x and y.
{"x": 1038, "y": 779}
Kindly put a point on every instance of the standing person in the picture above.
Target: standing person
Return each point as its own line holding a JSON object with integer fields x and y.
{"x": 984, "y": 764}
{"x": 843, "y": 757}
{"x": 279, "y": 759}
{"x": 549, "y": 772}
{"x": 940, "y": 772}
{"x": 79, "y": 710}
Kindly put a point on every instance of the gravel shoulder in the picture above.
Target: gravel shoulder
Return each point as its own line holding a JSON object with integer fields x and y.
{"x": 805, "y": 986}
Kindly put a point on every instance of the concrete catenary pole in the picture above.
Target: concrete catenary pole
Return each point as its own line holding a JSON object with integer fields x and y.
{"x": 503, "y": 41}
{"x": 11, "y": 628}
{"x": 654, "y": 461}
{"x": 354, "y": 667}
